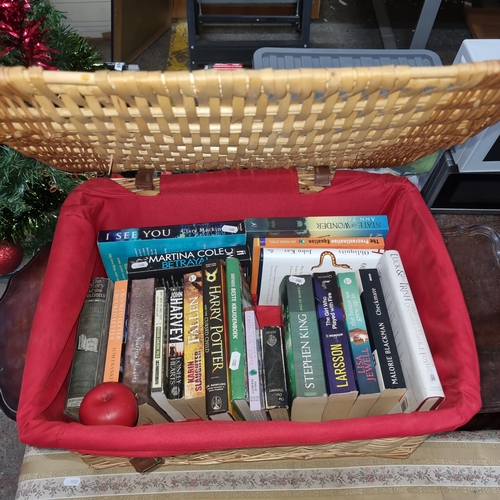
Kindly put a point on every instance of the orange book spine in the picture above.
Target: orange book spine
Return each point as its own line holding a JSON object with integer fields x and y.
{"x": 116, "y": 331}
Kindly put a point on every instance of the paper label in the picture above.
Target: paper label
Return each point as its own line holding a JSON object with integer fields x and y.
{"x": 230, "y": 229}
{"x": 234, "y": 362}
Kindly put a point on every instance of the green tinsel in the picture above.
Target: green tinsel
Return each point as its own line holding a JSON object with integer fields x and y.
{"x": 31, "y": 193}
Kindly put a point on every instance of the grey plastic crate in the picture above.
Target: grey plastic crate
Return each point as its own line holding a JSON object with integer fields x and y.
{"x": 285, "y": 58}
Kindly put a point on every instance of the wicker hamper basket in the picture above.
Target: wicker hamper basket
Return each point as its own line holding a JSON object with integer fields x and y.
{"x": 208, "y": 120}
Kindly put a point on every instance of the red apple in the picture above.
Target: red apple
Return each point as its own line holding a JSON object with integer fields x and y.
{"x": 109, "y": 403}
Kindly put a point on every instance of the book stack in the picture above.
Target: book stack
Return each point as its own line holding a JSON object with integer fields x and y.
{"x": 181, "y": 322}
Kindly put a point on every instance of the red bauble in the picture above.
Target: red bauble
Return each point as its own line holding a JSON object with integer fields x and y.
{"x": 109, "y": 403}
{"x": 11, "y": 256}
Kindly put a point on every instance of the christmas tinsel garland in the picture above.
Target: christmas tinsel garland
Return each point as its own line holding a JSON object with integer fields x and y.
{"x": 32, "y": 32}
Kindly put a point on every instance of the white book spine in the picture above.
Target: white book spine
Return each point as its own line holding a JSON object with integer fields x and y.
{"x": 424, "y": 390}
{"x": 158, "y": 364}
{"x": 158, "y": 336}
{"x": 255, "y": 394}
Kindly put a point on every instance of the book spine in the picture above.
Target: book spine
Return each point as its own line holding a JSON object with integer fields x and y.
{"x": 216, "y": 337}
{"x": 116, "y": 332}
{"x": 254, "y": 362}
{"x": 384, "y": 349}
{"x": 175, "y": 344}
{"x": 424, "y": 390}
{"x": 194, "y": 360}
{"x": 173, "y": 231}
{"x": 87, "y": 368}
{"x": 345, "y": 242}
{"x": 136, "y": 369}
{"x": 275, "y": 388}
{"x": 157, "y": 365}
{"x": 338, "y": 226}
{"x": 302, "y": 342}
{"x": 366, "y": 377}
{"x": 236, "y": 337}
{"x": 333, "y": 333}
{"x": 171, "y": 267}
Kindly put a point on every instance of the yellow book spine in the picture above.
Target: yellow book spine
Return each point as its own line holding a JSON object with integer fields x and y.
{"x": 194, "y": 360}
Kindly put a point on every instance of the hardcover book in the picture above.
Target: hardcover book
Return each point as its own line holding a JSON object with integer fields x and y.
{"x": 116, "y": 332}
{"x": 339, "y": 370}
{"x": 138, "y": 355}
{"x": 116, "y": 246}
{"x": 87, "y": 368}
{"x": 385, "y": 355}
{"x": 171, "y": 267}
{"x": 174, "y": 346}
{"x": 194, "y": 351}
{"x": 366, "y": 377}
{"x": 158, "y": 367}
{"x": 273, "y": 264}
{"x": 303, "y": 227}
{"x": 218, "y": 404}
{"x": 304, "y": 363}
{"x": 273, "y": 362}
{"x": 423, "y": 387}
{"x": 238, "y": 299}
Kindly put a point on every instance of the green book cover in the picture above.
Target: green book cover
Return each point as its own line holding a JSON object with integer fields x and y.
{"x": 237, "y": 369}
{"x": 302, "y": 341}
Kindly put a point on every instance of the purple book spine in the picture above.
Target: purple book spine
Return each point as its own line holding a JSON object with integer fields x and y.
{"x": 339, "y": 370}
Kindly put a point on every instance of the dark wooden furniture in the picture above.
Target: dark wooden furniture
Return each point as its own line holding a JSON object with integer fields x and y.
{"x": 475, "y": 252}
{"x": 17, "y": 310}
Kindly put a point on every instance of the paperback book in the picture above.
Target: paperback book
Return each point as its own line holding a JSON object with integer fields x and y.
{"x": 352, "y": 225}
{"x": 194, "y": 355}
{"x": 174, "y": 348}
{"x": 158, "y": 368}
{"x": 171, "y": 267}
{"x": 339, "y": 370}
{"x": 116, "y": 332}
{"x": 366, "y": 377}
{"x": 304, "y": 363}
{"x": 116, "y": 246}
{"x": 385, "y": 356}
{"x": 238, "y": 299}
{"x": 273, "y": 264}
{"x": 218, "y": 404}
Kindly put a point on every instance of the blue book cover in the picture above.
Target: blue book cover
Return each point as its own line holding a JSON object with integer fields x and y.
{"x": 339, "y": 369}
{"x": 334, "y": 226}
{"x": 116, "y": 246}
{"x": 366, "y": 377}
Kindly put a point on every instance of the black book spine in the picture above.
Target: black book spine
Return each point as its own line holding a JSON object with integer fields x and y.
{"x": 171, "y": 267}
{"x": 275, "y": 388}
{"x": 175, "y": 344}
{"x": 380, "y": 330}
{"x": 215, "y": 336}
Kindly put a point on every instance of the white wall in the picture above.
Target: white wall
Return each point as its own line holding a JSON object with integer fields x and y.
{"x": 90, "y": 18}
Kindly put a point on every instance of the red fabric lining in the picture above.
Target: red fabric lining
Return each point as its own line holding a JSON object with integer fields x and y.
{"x": 103, "y": 204}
